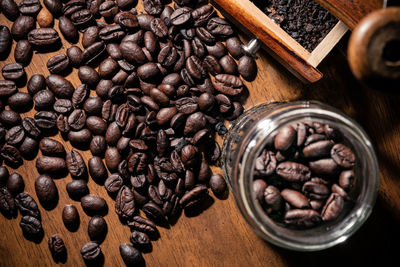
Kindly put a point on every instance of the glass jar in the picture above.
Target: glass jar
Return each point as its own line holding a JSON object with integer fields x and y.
{"x": 246, "y": 139}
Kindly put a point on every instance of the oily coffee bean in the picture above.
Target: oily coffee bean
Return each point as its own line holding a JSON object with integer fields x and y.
{"x": 247, "y": 68}
{"x": 217, "y": 50}
{"x": 159, "y": 28}
{"x": 199, "y": 48}
{"x": 91, "y": 251}
{"x": 7, "y": 203}
{"x": 9, "y": 9}
{"x": 45, "y": 119}
{"x": 13, "y": 71}
{"x": 302, "y": 218}
{"x": 77, "y": 119}
{"x": 7, "y": 88}
{"x": 93, "y": 52}
{"x": 20, "y": 101}
{"x": 228, "y": 84}
{"x": 130, "y": 255}
{"x": 54, "y": 6}
{"x": 194, "y": 123}
{"x": 30, "y": 127}
{"x": 217, "y": 184}
{"x": 23, "y": 52}
{"x": 61, "y": 87}
{"x": 62, "y": 124}
{"x": 80, "y": 94}
{"x": 97, "y": 170}
{"x": 167, "y": 56}
{"x": 194, "y": 67}
{"x": 127, "y": 20}
{"x": 98, "y": 145}
{"x": 234, "y": 46}
{"x": 30, "y": 225}
{"x": 259, "y": 187}
{"x": 202, "y": 14}
{"x": 112, "y": 158}
{"x": 57, "y": 248}
{"x": 152, "y": 7}
{"x": 93, "y": 105}
{"x": 28, "y": 148}
{"x": 108, "y": 9}
{"x": 46, "y": 190}
{"x": 93, "y": 205}
{"x": 81, "y": 17}
{"x": 193, "y": 196}
{"x": 285, "y": 138}
{"x": 29, "y": 7}
{"x": 15, "y": 135}
{"x": 113, "y": 51}
{"x": 113, "y": 183}
{"x": 10, "y": 118}
{"x": 343, "y": 156}
{"x": 46, "y": 164}
{"x": 36, "y": 83}
{"x": 324, "y": 167}
{"x": 333, "y": 207}
{"x": 80, "y": 138}
{"x": 295, "y": 198}
{"x": 126, "y": 4}
{"x": 97, "y": 228}
{"x": 58, "y": 63}
{"x": 75, "y": 164}
{"x": 180, "y": 16}
{"x": 90, "y": 36}
{"x": 108, "y": 68}
{"x": 292, "y": 171}
{"x": 111, "y": 33}
{"x": 43, "y": 37}
{"x": 27, "y": 205}
{"x": 74, "y": 54}
{"x": 153, "y": 212}
{"x": 314, "y": 190}
{"x": 125, "y": 203}
{"x": 22, "y": 26}
{"x": 143, "y": 225}
{"x": 15, "y": 183}
{"x": 346, "y": 179}
{"x": 88, "y": 76}
{"x": 219, "y": 26}
{"x": 62, "y": 106}
{"x": 4, "y": 174}
{"x": 70, "y": 217}
{"x": 96, "y": 125}
{"x": 139, "y": 239}
{"x": 132, "y": 52}
{"x": 205, "y": 35}
{"x": 273, "y": 198}
{"x": 44, "y": 100}
{"x": 212, "y": 65}
{"x": 76, "y": 189}
{"x": 318, "y": 149}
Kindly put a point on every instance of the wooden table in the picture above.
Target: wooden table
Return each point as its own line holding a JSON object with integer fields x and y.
{"x": 219, "y": 236}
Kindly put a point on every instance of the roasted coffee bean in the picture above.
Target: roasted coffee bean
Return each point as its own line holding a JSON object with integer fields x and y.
{"x": 139, "y": 239}
{"x": 91, "y": 251}
{"x": 324, "y": 167}
{"x": 7, "y": 202}
{"x": 80, "y": 138}
{"x": 30, "y": 225}
{"x": 44, "y": 100}
{"x": 217, "y": 184}
{"x": 27, "y": 205}
{"x": 98, "y": 145}
{"x": 333, "y": 207}
{"x": 96, "y": 125}
{"x": 10, "y": 118}
{"x": 108, "y": 68}
{"x": 54, "y": 6}
{"x": 259, "y": 186}
{"x": 273, "y": 198}
{"x": 75, "y": 164}
{"x": 28, "y": 148}
{"x": 76, "y": 189}
{"x": 7, "y": 88}
{"x": 29, "y": 7}
{"x": 212, "y": 65}
{"x": 219, "y": 26}
{"x": 30, "y": 127}
{"x": 36, "y": 83}
{"x": 153, "y": 7}
{"x": 218, "y": 50}
{"x": 295, "y": 198}
{"x": 70, "y": 216}
{"x": 22, "y": 26}
{"x": 125, "y": 203}
{"x": 45, "y": 119}
{"x": 15, "y": 135}
{"x": 43, "y": 37}
{"x": 97, "y": 170}
{"x": 46, "y": 164}
{"x": 159, "y": 28}
{"x": 153, "y": 212}
{"x": 199, "y": 48}
{"x": 90, "y": 36}
{"x": 195, "y": 68}
{"x": 247, "y": 68}
{"x": 45, "y": 18}
{"x": 143, "y": 225}
{"x": 4, "y": 174}
{"x": 194, "y": 123}
{"x": 74, "y": 54}
{"x": 97, "y": 228}
{"x": 80, "y": 95}
{"x": 343, "y": 156}
{"x": 13, "y": 71}
{"x": 62, "y": 106}
{"x": 315, "y": 190}
{"x": 340, "y": 191}
{"x": 88, "y": 75}
{"x": 113, "y": 183}
{"x": 46, "y": 190}
{"x": 112, "y": 158}
{"x": 58, "y": 63}
{"x": 9, "y": 9}
{"x": 23, "y": 52}
{"x": 132, "y": 52}
{"x": 228, "y": 84}
{"x": 108, "y": 9}
{"x": 266, "y": 163}
{"x": 294, "y": 172}
{"x": 302, "y": 218}
{"x": 20, "y": 101}
{"x": 57, "y": 248}
{"x": 234, "y": 46}
{"x": 61, "y": 87}
{"x": 346, "y": 180}
{"x": 164, "y": 115}
{"x": 130, "y": 255}
{"x": 285, "y": 138}
{"x": 318, "y": 149}
{"x": 62, "y": 124}
{"x": 93, "y": 205}
{"x": 93, "y": 106}
{"x": 93, "y": 52}
{"x": 202, "y": 15}
{"x": 81, "y": 18}
{"x": 180, "y": 16}
{"x": 77, "y": 119}
{"x": 168, "y": 56}
{"x": 111, "y": 33}
{"x": 114, "y": 51}
{"x": 193, "y": 196}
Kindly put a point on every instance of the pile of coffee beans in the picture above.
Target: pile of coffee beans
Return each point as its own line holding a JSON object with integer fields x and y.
{"x": 305, "y": 21}
{"x": 157, "y": 87}
{"x": 305, "y": 175}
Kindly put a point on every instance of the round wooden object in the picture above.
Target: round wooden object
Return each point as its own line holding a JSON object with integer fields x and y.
{"x": 374, "y": 49}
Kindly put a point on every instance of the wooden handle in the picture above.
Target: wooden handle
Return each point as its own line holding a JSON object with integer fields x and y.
{"x": 284, "y": 50}
{"x": 351, "y": 11}
{"x": 374, "y": 49}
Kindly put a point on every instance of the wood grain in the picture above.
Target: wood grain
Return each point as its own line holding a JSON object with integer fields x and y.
{"x": 219, "y": 236}
{"x": 351, "y": 11}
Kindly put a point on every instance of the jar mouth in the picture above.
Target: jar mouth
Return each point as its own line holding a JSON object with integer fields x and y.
{"x": 328, "y": 234}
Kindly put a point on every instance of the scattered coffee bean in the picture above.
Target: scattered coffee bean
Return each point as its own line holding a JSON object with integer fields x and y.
{"x": 70, "y": 217}
{"x": 15, "y": 183}
{"x": 57, "y": 248}
{"x": 97, "y": 228}
{"x": 91, "y": 251}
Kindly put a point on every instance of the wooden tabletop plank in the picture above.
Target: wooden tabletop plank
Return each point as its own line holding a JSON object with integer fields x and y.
{"x": 219, "y": 236}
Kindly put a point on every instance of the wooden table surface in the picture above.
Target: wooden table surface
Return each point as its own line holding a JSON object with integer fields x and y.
{"x": 219, "y": 236}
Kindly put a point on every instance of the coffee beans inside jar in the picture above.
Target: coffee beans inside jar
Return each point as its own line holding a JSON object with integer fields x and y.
{"x": 305, "y": 175}
{"x": 155, "y": 89}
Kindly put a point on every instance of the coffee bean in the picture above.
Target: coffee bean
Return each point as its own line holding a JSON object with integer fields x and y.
{"x": 23, "y": 52}
{"x": 228, "y": 84}
{"x": 45, "y": 119}
{"x": 77, "y": 119}
{"x": 324, "y": 167}
{"x": 57, "y": 248}
{"x": 97, "y": 170}
{"x": 43, "y": 37}
{"x": 74, "y": 54}
{"x": 7, "y": 88}
{"x": 75, "y": 164}
{"x": 93, "y": 52}
{"x": 97, "y": 228}
{"x": 234, "y": 46}
{"x": 10, "y": 118}
{"x": 4, "y": 174}
{"x": 93, "y": 106}
{"x": 180, "y": 16}
{"x": 28, "y": 148}
{"x": 202, "y": 15}
{"x": 88, "y": 75}
{"x": 46, "y": 164}
{"x": 46, "y": 190}
{"x": 218, "y": 50}
{"x": 153, "y": 7}
{"x": 9, "y": 9}
{"x": 125, "y": 203}
{"x": 93, "y": 205}
{"x": 91, "y": 251}
{"x": 61, "y": 87}
{"x": 220, "y": 27}
{"x": 44, "y": 100}
{"x": 27, "y": 205}
{"x": 90, "y": 36}
{"x": 58, "y": 63}
{"x": 81, "y": 18}
{"x": 332, "y": 208}
{"x": 130, "y": 255}
{"x": 77, "y": 189}
{"x": 302, "y": 218}
{"x": 247, "y": 68}
{"x": 13, "y": 71}
{"x": 80, "y": 138}
{"x": 45, "y": 18}
{"x": 63, "y": 106}
{"x": 343, "y": 156}
{"x": 295, "y": 198}
{"x": 108, "y": 68}
{"x": 22, "y": 26}
{"x": 70, "y": 217}
{"x": 54, "y": 6}
{"x": 113, "y": 183}
{"x": 143, "y": 225}
{"x": 7, "y": 203}
{"x": 108, "y": 9}
{"x": 111, "y": 33}
{"x": 318, "y": 149}
{"x": 36, "y": 83}
{"x": 31, "y": 128}
{"x": 132, "y": 52}
{"x": 315, "y": 190}
{"x": 217, "y": 184}
{"x": 259, "y": 188}
{"x": 98, "y": 145}
{"x": 29, "y": 7}
{"x": 153, "y": 212}
{"x": 193, "y": 196}
{"x": 292, "y": 171}
{"x": 15, "y": 135}
{"x": 346, "y": 180}
{"x": 20, "y": 101}
{"x": 30, "y": 225}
